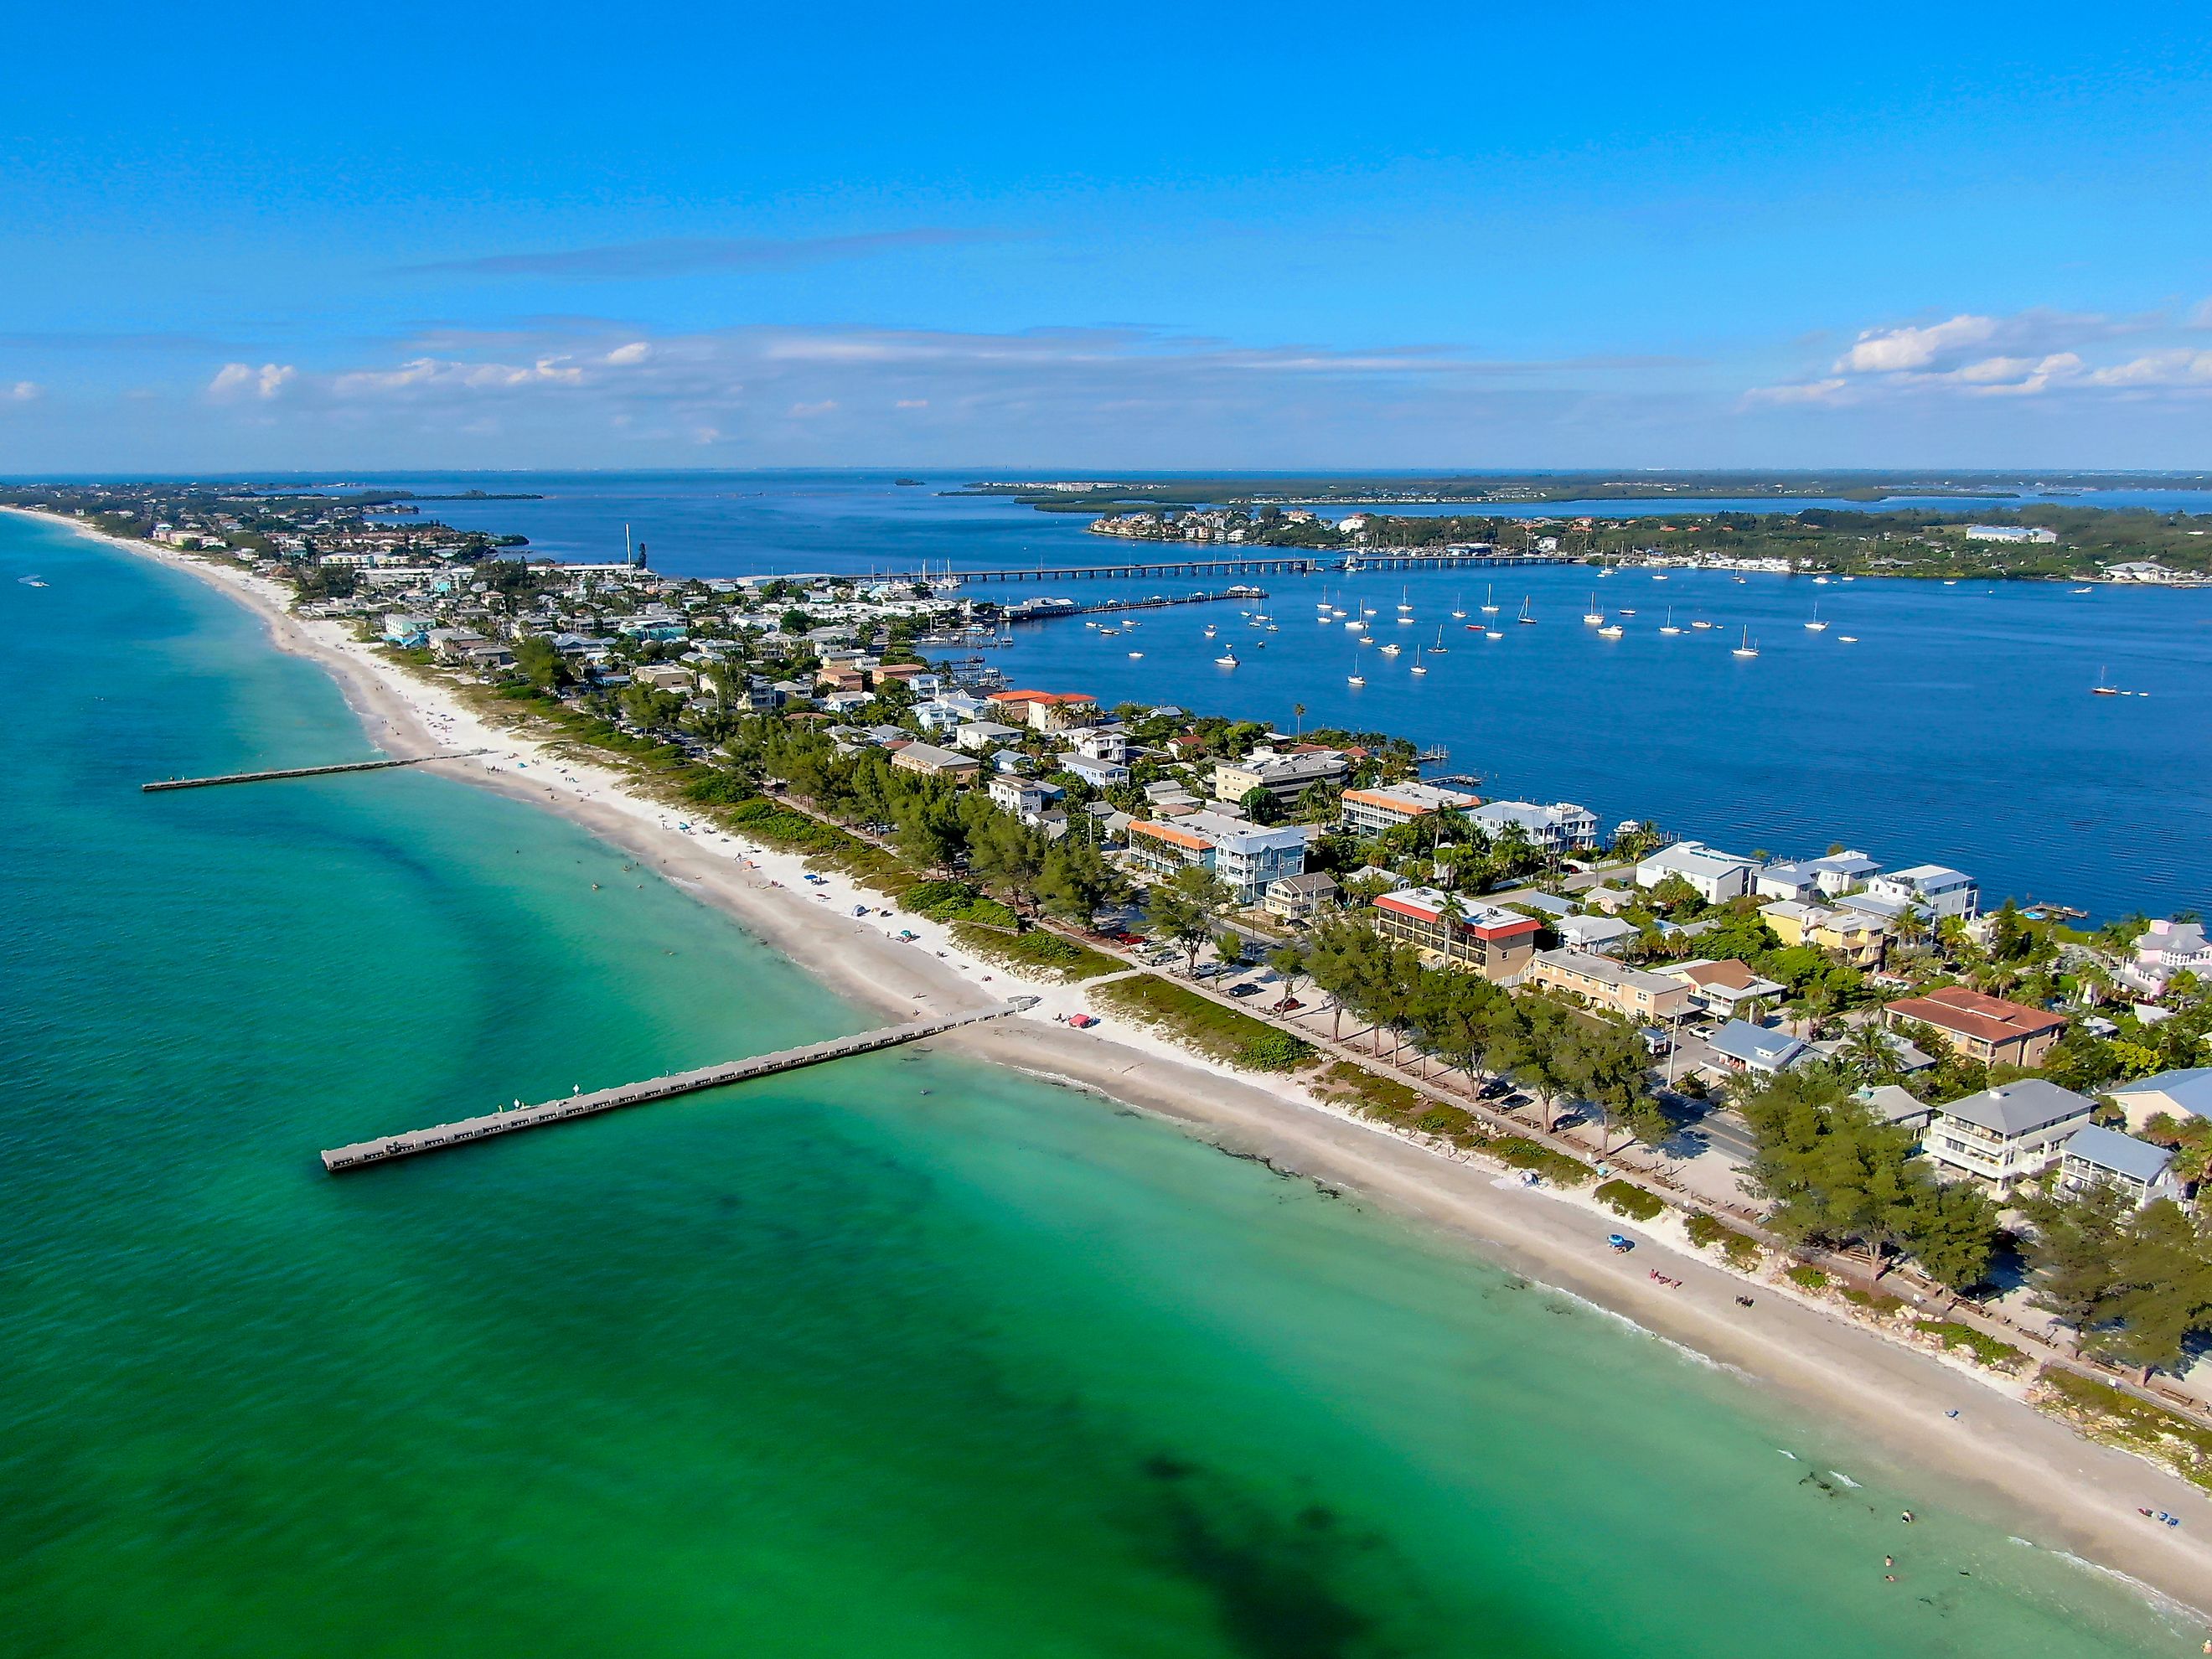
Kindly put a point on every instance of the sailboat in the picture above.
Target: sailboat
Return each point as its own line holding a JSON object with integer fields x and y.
{"x": 2103, "y": 688}
{"x": 1419, "y": 668}
{"x": 1747, "y": 649}
{"x": 1355, "y": 677}
{"x": 1438, "y": 649}
{"x": 1669, "y": 627}
{"x": 1593, "y": 615}
{"x": 1405, "y": 599}
{"x": 1816, "y": 624}
{"x": 1457, "y": 614}
{"x": 1488, "y": 608}
{"x": 1492, "y": 634}
{"x": 1524, "y": 618}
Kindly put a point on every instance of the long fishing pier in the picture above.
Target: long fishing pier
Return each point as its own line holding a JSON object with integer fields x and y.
{"x": 304, "y": 771}
{"x": 1247, "y": 564}
{"x": 442, "y": 1135}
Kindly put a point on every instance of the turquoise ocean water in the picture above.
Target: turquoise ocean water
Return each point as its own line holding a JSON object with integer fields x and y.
{"x": 906, "y": 1357}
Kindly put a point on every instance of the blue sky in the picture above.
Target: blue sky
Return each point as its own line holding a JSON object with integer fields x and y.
{"x": 259, "y": 237}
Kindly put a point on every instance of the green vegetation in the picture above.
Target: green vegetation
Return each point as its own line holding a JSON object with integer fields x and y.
{"x": 1632, "y": 1201}
{"x": 1986, "y": 1350}
{"x": 2116, "y": 1417}
{"x": 1743, "y": 1251}
{"x": 1034, "y": 952}
{"x": 1224, "y": 1034}
{"x": 1837, "y": 1174}
{"x": 1873, "y": 1302}
{"x": 2134, "y": 1286}
{"x": 1807, "y": 1277}
{"x": 957, "y": 901}
{"x": 1523, "y": 1153}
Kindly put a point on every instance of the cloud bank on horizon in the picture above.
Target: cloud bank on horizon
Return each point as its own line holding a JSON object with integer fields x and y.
{"x": 826, "y": 241}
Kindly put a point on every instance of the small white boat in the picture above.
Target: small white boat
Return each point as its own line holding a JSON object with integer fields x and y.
{"x": 1457, "y": 614}
{"x": 1355, "y": 677}
{"x": 1438, "y": 648}
{"x": 1488, "y": 609}
{"x": 1610, "y": 631}
{"x": 1405, "y": 602}
{"x": 2103, "y": 688}
{"x": 1658, "y": 575}
{"x": 1669, "y": 627}
{"x": 1847, "y": 639}
{"x": 1226, "y": 659}
{"x": 1816, "y": 625}
{"x": 1419, "y": 668}
{"x": 1819, "y": 581}
{"x": 32, "y": 582}
{"x": 1594, "y": 616}
{"x": 1136, "y": 654}
{"x": 1747, "y": 649}
{"x": 1950, "y": 582}
{"x": 2080, "y": 590}
{"x": 1491, "y": 633}
{"x": 1701, "y": 623}
{"x": 1524, "y": 618}
{"x": 1389, "y": 650}
{"x": 1628, "y": 611}
{"x": 1209, "y": 630}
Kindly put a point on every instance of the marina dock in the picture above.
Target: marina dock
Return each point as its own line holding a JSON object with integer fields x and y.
{"x": 442, "y": 1135}
{"x": 303, "y": 772}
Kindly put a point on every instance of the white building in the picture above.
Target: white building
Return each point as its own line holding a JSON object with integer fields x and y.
{"x": 2094, "y": 1157}
{"x": 1935, "y": 888}
{"x": 1247, "y": 857}
{"x": 1714, "y": 875}
{"x": 2008, "y": 1134}
{"x": 1370, "y": 811}
{"x": 1562, "y": 826}
{"x": 1102, "y": 743}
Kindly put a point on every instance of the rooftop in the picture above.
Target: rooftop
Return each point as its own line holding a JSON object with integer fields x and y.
{"x": 2020, "y": 1107}
{"x": 1973, "y": 1013}
{"x": 2108, "y": 1149}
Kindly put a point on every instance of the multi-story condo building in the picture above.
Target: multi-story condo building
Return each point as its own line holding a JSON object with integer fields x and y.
{"x": 1485, "y": 938}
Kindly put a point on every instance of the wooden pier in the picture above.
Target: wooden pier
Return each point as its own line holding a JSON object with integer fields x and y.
{"x": 442, "y": 1135}
{"x": 304, "y": 771}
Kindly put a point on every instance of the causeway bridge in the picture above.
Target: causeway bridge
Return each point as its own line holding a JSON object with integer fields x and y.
{"x": 1242, "y": 564}
{"x": 304, "y": 771}
{"x": 442, "y": 1135}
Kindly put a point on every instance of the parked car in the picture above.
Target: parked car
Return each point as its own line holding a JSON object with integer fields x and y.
{"x": 1247, "y": 989}
{"x": 1287, "y": 1005}
{"x": 1083, "y": 1022}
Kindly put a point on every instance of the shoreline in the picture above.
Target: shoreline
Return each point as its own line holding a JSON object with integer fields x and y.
{"x": 2003, "y": 1461}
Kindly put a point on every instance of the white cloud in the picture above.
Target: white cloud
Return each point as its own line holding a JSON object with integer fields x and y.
{"x": 2029, "y": 353}
{"x": 1808, "y": 391}
{"x": 244, "y": 380}
{"x": 1881, "y": 351}
{"x": 911, "y": 403}
{"x": 2180, "y": 366}
{"x": 622, "y": 356}
{"x": 802, "y": 411}
{"x": 444, "y": 372}
{"x": 24, "y": 392}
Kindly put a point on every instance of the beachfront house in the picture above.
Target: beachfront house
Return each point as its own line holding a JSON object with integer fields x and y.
{"x": 1839, "y": 873}
{"x": 1558, "y": 828}
{"x": 1856, "y": 936}
{"x": 979, "y": 735}
{"x": 2008, "y": 1134}
{"x": 2178, "y": 1095}
{"x": 1456, "y": 933}
{"x": 2096, "y": 1157}
{"x": 1934, "y": 889}
{"x": 1798, "y": 881}
{"x": 1981, "y": 1027}
{"x": 1027, "y": 799}
{"x": 1647, "y": 999}
{"x": 2163, "y": 950}
{"x": 1714, "y": 877}
{"x": 1046, "y": 711}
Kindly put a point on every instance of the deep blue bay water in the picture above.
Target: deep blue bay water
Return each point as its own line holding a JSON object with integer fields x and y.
{"x": 1959, "y": 729}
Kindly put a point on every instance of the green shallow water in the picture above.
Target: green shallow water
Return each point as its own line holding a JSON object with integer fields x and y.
{"x": 902, "y": 1356}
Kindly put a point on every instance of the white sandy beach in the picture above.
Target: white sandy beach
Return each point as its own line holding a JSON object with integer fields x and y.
{"x": 1999, "y": 1458}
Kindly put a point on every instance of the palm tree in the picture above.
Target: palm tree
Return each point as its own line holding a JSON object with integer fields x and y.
{"x": 1298, "y": 714}
{"x": 1867, "y": 1051}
